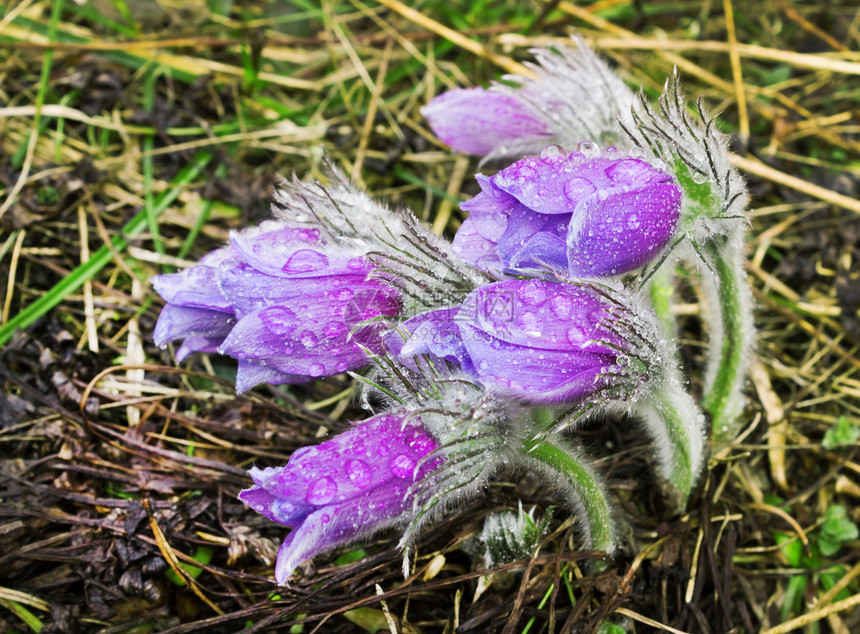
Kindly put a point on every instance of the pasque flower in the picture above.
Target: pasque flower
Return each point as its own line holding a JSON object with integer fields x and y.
{"x": 541, "y": 341}
{"x": 477, "y": 121}
{"x": 584, "y": 215}
{"x": 571, "y": 95}
{"x": 286, "y": 303}
{"x": 348, "y": 487}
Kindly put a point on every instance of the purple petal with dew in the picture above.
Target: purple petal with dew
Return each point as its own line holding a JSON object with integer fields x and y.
{"x": 489, "y": 210}
{"x": 365, "y": 457}
{"x": 197, "y": 285}
{"x": 435, "y": 334}
{"x": 249, "y": 290}
{"x": 541, "y": 250}
{"x": 475, "y": 249}
{"x": 338, "y": 524}
{"x": 477, "y": 121}
{"x": 541, "y": 315}
{"x": 177, "y": 322}
{"x": 623, "y": 231}
{"x": 253, "y": 373}
{"x": 283, "y": 512}
{"x": 277, "y": 337}
{"x": 535, "y": 374}
{"x": 523, "y": 224}
{"x": 544, "y": 184}
{"x": 295, "y": 253}
{"x": 198, "y": 343}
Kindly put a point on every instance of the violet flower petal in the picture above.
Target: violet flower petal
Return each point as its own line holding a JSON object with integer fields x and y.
{"x": 197, "y": 285}
{"x": 623, "y": 232}
{"x": 176, "y": 322}
{"x": 352, "y": 485}
{"x": 476, "y": 121}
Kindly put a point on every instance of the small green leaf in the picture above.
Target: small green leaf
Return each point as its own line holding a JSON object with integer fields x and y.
{"x": 845, "y": 432}
{"x": 836, "y": 529}
{"x": 203, "y": 554}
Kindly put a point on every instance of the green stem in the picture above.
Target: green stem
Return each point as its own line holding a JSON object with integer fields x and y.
{"x": 660, "y": 291}
{"x": 732, "y": 334}
{"x": 676, "y": 426}
{"x": 552, "y": 456}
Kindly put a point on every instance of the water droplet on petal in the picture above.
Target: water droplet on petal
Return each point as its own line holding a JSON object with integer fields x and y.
{"x": 402, "y": 466}
{"x": 552, "y": 150}
{"x": 305, "y": 261}
{"x": 322, "y": 491}
{"x": 359, "y": 473}
{"x": 344, "y": 294}
{"x": 562, "y": 306}
{"x": 578, "y": 189}
{"x": 421, "y": 443}
{"x": 325, "y": 518}
{"x": 278, "y": 319}
{"x": 309, "y": 339}
{"x": 283, "y": 510}
{"x": 577, "y": 335}
{"x": 532, "y": 293}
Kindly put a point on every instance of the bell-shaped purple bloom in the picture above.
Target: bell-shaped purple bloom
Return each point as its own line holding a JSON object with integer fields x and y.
{"x": 541, "y": 341}
{"x": 478, "y": 121}
{"x": 586, "y": 216}
{"x": 289, "y": 306}
{"x": 348, "y": 487}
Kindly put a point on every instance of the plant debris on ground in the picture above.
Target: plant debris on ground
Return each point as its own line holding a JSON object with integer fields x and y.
{"x": 134, "y": 134}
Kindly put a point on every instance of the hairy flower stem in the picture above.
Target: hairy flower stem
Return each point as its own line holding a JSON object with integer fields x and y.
{"x": 676, "y": 425}
{"x": 660, "y": 288}
{"x": 554, "y": 457}
{"x": 732, "y": 335}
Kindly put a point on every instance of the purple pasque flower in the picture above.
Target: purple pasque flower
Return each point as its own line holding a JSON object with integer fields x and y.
{"x": 541, "y": 341}
{"x": 196, "y": 310}
{"x": 353, "y": 485}
{"x": 571, "y": 94}
{"x": 584, "y": 215}
{"x": 284, "y": 302}
{"x": 478, "y": 121}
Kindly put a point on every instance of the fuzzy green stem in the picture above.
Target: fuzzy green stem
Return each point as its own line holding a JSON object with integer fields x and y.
{"x": 660, "y": 291}
{"x": 732, "y": 333}
{"x": 551, "y": 456}
{"x": 676, "y": 425}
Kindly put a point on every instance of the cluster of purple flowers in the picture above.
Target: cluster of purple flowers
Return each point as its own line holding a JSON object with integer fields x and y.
{"x": 535, "y": 320}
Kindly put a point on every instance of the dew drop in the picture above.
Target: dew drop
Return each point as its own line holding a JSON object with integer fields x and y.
{"x": 279, "y": 320}
{"x": 402, "y": 466}
{"x": 552, "y": 150}
{"x": 359, "y": 473}
{"x": 322, "y": 491}
{"x": 325, "y": 518}
{"x": 561, "y": 306}
{"x": 421, "y": 443}
{"x": 316, "y": 369}
{"x": 309, "y": 339}
{"x": 356, "y": 264}
{"x": 344, "y": 294}
{"x": 576, "y": 335}
{"x": 305, "y": 261}
{"x": 532, "y": 293}
{"x": 578, "y": 189}
{"x": 334, "y": 328}
{"x": 283, "y": 510}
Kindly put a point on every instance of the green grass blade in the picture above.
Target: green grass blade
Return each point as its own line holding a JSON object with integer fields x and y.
{"x": 103, "y": 256}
